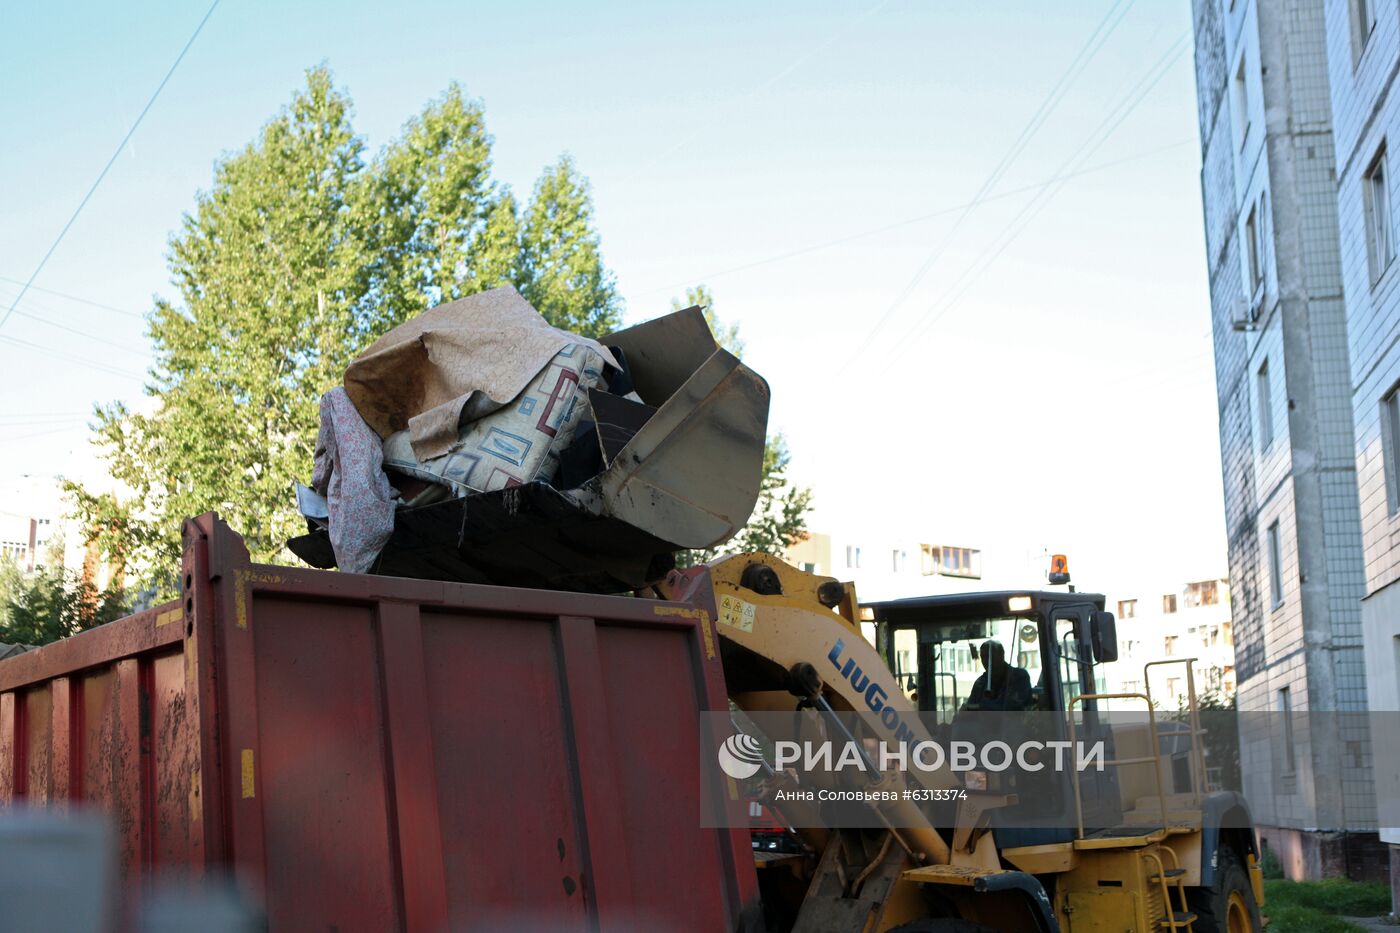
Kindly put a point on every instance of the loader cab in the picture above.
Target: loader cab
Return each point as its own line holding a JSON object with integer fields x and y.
{"x": 1047, "y": 648}
{"x": 935, "y": 647}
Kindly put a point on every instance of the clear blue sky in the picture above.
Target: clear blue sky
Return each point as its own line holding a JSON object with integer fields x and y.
{"x": 1053, "y": 391}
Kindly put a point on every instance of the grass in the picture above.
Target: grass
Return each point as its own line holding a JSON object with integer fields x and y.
{"x": 1306, "y": 920}
{"x": 1318, "y": 906}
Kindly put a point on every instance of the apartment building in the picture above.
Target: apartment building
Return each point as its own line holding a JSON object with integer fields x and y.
{"x": 1288, "y": 459}
{"x": 1363, "y": 56}
{"x": 893, "y": 567}
{"x": 1163, "y": 627}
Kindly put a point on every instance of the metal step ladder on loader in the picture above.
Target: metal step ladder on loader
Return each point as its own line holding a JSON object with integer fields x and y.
{"x": 1164, "y": 874}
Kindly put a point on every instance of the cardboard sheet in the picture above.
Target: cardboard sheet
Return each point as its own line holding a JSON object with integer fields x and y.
{"x": 453, "y": 364}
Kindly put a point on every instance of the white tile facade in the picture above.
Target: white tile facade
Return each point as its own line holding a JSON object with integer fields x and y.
{"x": 1303, "y": 477}
{"x": 1366, "y": 107}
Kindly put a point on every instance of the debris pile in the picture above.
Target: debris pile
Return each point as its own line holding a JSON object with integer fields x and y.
{"x": 478, "y": 443}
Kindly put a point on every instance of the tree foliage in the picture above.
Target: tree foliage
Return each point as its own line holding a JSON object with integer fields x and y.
{"x": 50, "y": 603}
{"x": 779, "y": 516}
{"x": 562, "y": 272}
{"x": 726, "y": 335}
{"x": 301, "y": 253}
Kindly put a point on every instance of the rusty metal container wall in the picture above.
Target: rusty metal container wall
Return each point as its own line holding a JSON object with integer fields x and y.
{"x": 374, "y": 753}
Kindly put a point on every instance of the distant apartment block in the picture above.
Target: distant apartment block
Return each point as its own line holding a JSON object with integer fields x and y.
{"x": 1161, "y": 627}
{"x": 35, "y": 532}
{"x": 889, "y": 569}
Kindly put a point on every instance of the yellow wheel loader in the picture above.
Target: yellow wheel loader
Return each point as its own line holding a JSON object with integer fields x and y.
{"x": 1140, "y": 845}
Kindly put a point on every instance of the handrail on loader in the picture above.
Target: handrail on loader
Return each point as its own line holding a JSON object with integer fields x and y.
{"x": 1198, "y": 760}
{"x": 1155, "y": 758}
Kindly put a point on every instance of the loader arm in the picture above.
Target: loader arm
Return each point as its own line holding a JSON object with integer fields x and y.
{"x": 772, "y": 618}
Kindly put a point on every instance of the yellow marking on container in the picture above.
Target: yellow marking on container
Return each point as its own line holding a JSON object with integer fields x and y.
{"x": 168, "y": 616}
{"x": 189, "y": 667}
{"x": 708, "y": 636}
{"x": 247, "y": 761}
{"x": 684, "y": 612}
{"x": 242, "y": 579}
{"x": 736, "y": 613}
{"x": 258, "y": 576}
{"x": 240, "y": 598}
{"x": 700, "y": 615}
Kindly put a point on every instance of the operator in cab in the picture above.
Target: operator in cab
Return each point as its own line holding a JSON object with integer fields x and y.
{"x": 1001, "y": 687}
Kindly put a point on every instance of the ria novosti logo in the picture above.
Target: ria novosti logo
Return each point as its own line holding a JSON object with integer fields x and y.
{"x": 740, "y": 756}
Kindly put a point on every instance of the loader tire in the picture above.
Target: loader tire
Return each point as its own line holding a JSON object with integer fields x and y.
{"x": 1227, "y": 906}
{"x": 951, "y": 925}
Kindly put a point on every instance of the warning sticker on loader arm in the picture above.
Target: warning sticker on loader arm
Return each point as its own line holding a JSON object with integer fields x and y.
{"x": 734, "y": 612}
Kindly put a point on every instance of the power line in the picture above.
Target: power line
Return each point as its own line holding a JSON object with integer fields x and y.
{"x": 49, "y": 319}
{"x": 110, "y": 162}
{"x": 25, "y": 437}
{"x": 82, "y": 333}
{"x": 80, "y": 300}
{"x": 11, "y": 425}
{"x": 1086, "y": 53}
{"x": 71, "y": 358}
{"x": 779, "y": 75}
{"x": 44, "y": 414}
{"x": 909, "y": 221}
{"x": 1097, "y": 137}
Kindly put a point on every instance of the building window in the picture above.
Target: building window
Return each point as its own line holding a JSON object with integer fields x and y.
{"x": 1241, "y": 101}
{"x": 1379, "y": 236}
{"x": 852, "y": 557}
{"x": 1363, "y": 23}
{"x": 950, "y": 561}
{"x": 809, "y": 567}
{"x": 1169, "y": 603}
{"x": 1204, "y": 593}
{"x": 1127, "y": 608}
{"x": 1265, "y": 398}
{"x": 1285, "y": 708}
{"x": 1275, "y": 566}
{"x": 1170, "y": 646}
{"x": 900, "y": 560}
{"x": 1390, "y": 445}
{"x": 1254, "y": 250}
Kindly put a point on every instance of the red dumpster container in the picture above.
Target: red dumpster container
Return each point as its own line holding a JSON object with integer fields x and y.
{"x": 375, "y": 753}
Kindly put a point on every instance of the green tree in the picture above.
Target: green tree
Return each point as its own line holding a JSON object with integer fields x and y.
{"x": 726, "y": 335}
{"x": 428, "y": 208}
{"x": 1218, "y": 715}
{"x": 300, "y": 254}
{"x": 48, "y": 604}
{"x": 271, "y": 271}
{"x": 562, "y": 271}
{"x": 779, "y": 516}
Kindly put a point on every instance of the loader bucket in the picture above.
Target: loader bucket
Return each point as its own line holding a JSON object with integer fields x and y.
{"x": 691, "y": 474}
{"x": 680, "y": 470}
